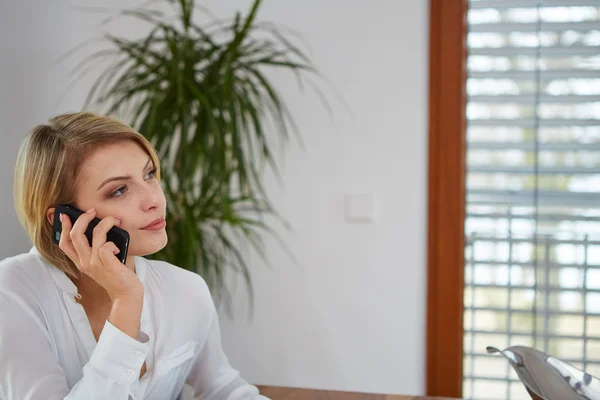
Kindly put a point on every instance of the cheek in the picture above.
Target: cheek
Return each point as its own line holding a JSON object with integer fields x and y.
{"x": 102, "y": 213}
{"x": 124, "y": 220}
{"x": 127, "y": 224}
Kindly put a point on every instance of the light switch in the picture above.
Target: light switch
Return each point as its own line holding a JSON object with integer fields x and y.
{"x": 360, "y": 207}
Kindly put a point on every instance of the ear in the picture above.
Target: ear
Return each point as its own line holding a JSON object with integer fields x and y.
{"x": 50, "y": 215}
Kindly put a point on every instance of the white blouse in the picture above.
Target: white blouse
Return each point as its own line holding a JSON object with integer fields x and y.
{"x": 48, "y": 350}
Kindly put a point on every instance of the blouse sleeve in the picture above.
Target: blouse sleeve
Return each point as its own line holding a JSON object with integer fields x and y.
{"x": 29, "y": 369}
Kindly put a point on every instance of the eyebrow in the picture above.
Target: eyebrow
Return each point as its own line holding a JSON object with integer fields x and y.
{"x": 122, "y": 178}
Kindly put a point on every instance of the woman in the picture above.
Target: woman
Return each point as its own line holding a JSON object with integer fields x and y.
{"x": 75, "y": 322}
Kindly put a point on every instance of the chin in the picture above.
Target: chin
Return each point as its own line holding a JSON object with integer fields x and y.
{"x": 144, "y": 247}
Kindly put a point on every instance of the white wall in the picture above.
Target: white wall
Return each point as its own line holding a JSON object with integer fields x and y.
{"x": 351, "y": 316}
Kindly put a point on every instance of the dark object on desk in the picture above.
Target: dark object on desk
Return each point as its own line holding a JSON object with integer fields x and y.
{"x": 287, "y": 393}
{"x": 548, "y": 378}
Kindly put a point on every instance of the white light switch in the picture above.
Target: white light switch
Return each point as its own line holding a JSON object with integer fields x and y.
{"x": 360, "y": 207}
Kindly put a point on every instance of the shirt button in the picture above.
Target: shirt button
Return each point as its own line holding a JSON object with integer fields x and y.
{"x": 130, "y": 372}
{"x": 139, "y": 355}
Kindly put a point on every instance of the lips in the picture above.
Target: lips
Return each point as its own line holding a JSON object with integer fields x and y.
{"x": 158, "y": 223}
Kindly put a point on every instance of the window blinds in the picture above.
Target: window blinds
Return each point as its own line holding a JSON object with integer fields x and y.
{"x": 532, "y": 256}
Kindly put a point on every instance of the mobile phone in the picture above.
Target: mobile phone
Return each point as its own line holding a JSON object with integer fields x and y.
{"x": 120, "y": 237}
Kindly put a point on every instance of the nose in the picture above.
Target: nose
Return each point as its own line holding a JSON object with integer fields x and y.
{"x": 151, "y": 197}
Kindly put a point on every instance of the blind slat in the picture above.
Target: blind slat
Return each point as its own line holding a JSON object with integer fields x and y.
{"x": 541, "y": 170}
{"x": 508, "y": 27}
{"x": 540, "y": 217}
{"x": 533, "y": 75}
{"x": 531, "y": 99}
{"x": 532, "y": 146}
{"x": 555, "y": 51}
{"x": 531, "y": 123}
{"x": 525, "y": 287}
{"x": 517, "y": 311}
{"x": 521, "y": 334}
{"x": 532, "y": 264}
{"x": 525, "y": 197}
{"x": 506, "y": 4}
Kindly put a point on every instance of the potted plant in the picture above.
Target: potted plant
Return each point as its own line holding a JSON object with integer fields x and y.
{"x": 202, "y": 96}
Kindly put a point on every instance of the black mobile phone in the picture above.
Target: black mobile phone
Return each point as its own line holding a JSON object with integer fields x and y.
{"x": 120, "y": 237}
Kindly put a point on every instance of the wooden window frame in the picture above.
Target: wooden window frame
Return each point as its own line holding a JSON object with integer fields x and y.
{"x": 446, "y": 196}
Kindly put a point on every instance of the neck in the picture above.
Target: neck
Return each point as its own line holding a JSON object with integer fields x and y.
{"x": 91, "y": 291}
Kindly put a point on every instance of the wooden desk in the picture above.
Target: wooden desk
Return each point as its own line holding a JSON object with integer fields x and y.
{"x": 283, "y": 393}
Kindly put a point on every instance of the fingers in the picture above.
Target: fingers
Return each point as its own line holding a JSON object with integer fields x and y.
{"x": 65, "y": 243}
{"x": 76, "y": 245}
{"x": 77, "y": 234}
{"x": 106, "y": 252}
{"x": 99, "y": 241}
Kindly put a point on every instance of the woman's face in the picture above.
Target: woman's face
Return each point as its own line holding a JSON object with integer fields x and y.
{"x": 118, "y": 180}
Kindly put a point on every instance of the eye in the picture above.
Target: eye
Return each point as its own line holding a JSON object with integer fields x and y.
{"x": 119, "y": 192}
{"x": 151, "y": 174}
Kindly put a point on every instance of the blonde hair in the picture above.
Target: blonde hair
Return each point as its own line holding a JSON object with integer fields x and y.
{"x": 46, "y": 172}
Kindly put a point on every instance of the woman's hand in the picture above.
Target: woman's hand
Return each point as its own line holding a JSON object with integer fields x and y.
{"x": 99, "y": 261}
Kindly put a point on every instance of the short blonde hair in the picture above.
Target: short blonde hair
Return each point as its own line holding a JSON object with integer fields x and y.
{"x": 46, "y": 172}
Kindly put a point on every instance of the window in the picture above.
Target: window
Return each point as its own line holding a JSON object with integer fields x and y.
{"x": 532, "y": 224}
